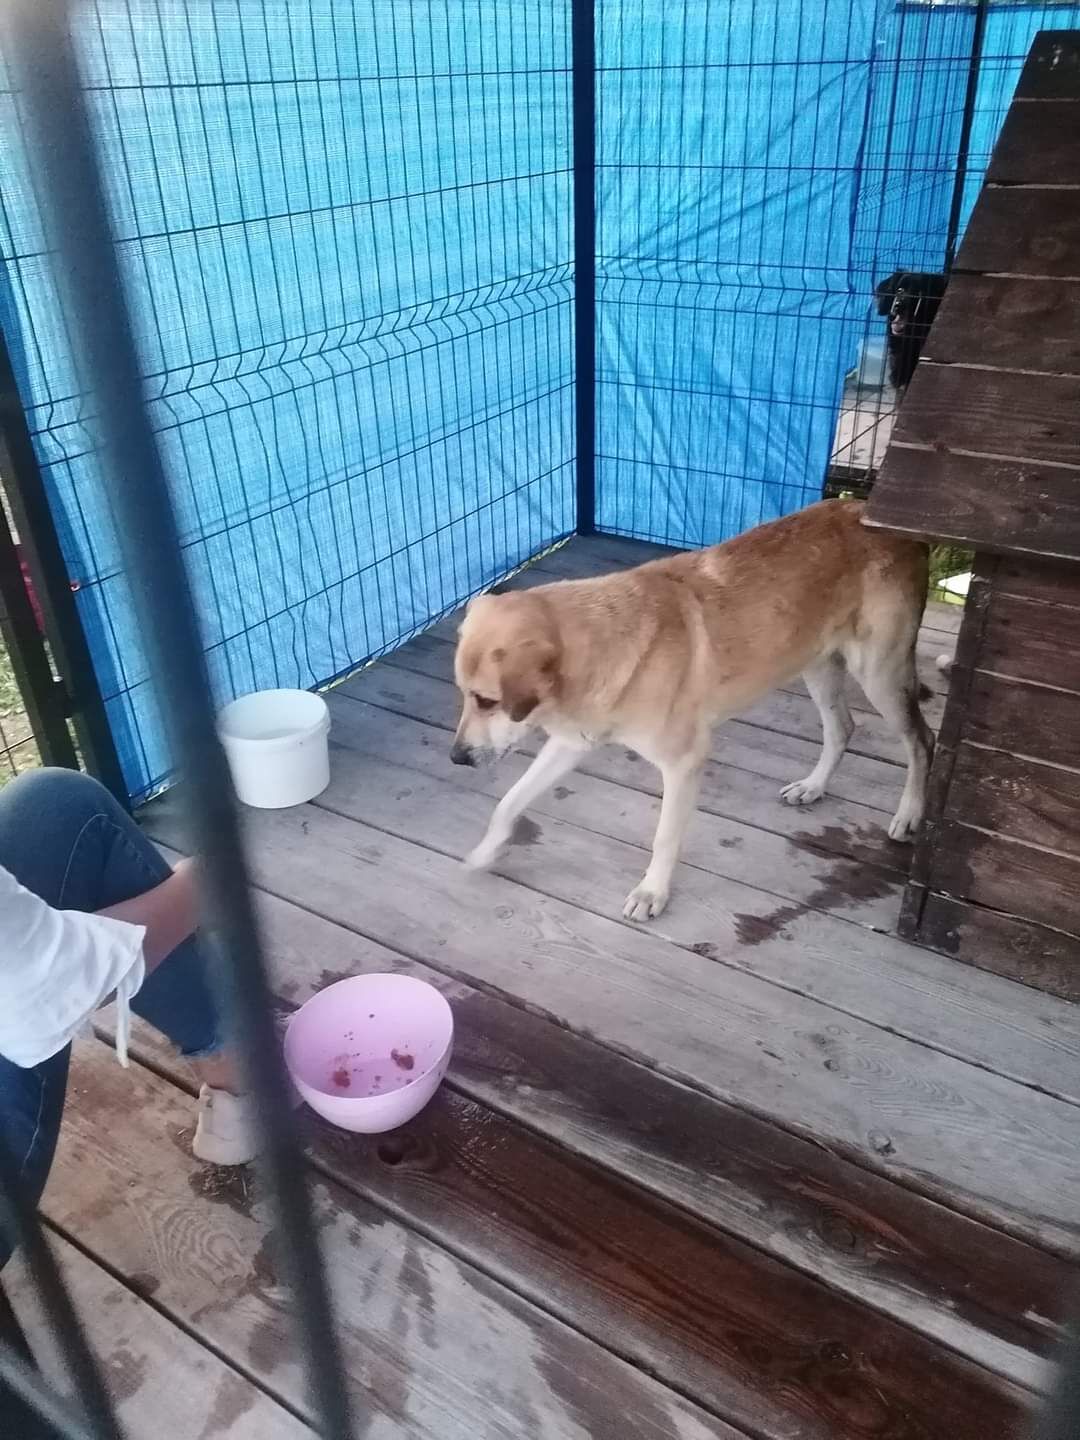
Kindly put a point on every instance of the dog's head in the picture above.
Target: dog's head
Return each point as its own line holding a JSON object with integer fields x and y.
{"x": 506, "y": 667}
{"x": 910, "y": 299}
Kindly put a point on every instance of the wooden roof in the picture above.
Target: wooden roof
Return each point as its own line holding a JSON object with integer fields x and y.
{"x": 986, "y": 449}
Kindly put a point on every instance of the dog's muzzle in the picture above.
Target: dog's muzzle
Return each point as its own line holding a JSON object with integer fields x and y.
{"x": 462, "y": 754}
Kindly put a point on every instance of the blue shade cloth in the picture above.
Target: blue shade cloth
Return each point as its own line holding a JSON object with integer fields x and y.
{"x": 346, "y": 235}
{"x": 762, "y": 164}
{"x": 346, "y": 230}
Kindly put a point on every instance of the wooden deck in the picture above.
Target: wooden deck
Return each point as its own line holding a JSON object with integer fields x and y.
{"x": 757, "y": 1171}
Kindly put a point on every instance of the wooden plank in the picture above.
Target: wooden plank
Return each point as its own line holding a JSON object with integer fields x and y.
{"x": 968, "y": 646}
{"x": 1038, "y": 145}
{"x": 1007, "y": 875}
{"x": 1028, "y": 640}
{"x": 1030, "y": 720}
{"x": 940, "y": 616}
{"x": 1004, "y": 506}
{"x": 749, "y": 1338}
{"x": 837, "y": 824}
{"x": 858, "y": 972}
{"x": 1052, "y": 69}
{"x": 600, "y": 554}
{"x": 994, "y": 413}
{"x": 1047, "y": 960}
{"x": 977, "y": 1291}
{"x": 1022, "y": 231}
{"x": 160, "y": 1380}
{"x": 987, "y": 1146}
{"x": 607, "y": 1258}
{"x": 432, "y": 1346}
{"x": 1052, "y": 582}
{"x": 719, "y": 846}
{"x": 1016, "y": 797}
{"x": 1008, "y": 323}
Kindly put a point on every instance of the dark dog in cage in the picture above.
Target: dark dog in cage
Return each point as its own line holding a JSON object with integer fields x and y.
{"x": 910, "y": 299}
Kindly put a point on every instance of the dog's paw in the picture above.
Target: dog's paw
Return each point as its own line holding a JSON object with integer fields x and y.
{"x": 802, "y": 792}
{"x": 645, "y": 902}
{"x": 903, "y": 826}
{"x": 483, "y": 857}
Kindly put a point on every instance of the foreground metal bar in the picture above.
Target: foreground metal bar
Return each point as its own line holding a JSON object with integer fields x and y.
{"x": 42, "y": 54}
{"x": 1061, "y": 1418}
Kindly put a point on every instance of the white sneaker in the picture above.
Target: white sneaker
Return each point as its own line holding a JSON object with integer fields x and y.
{"x": 225, "y": 1130}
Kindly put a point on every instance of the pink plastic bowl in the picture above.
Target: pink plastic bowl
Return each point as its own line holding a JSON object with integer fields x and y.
{"x": 369, "y": 1052}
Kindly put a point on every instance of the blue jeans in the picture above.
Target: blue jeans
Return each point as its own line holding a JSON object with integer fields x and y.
{"x": 64, "y": 837}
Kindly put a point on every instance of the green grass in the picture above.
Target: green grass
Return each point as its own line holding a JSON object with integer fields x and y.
{"x": 946, "y": 561}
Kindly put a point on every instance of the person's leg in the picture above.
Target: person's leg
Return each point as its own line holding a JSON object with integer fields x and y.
{"x": 65, "y": 838}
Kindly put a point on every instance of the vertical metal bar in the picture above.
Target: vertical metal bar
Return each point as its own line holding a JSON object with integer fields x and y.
{"x": 978, "y": 36}
{"x": 1060, "y": 1419}
{"x": 50, "y": 1415}
{"x": 43, "y": 57}
{"x": 25, "y": 490}
{"x": 583, "y": 62}
{"x": 44, "y": 697}
{"x": 96, "y": 1422}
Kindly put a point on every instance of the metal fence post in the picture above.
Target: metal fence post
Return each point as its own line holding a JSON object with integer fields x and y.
{"x": 25, "y": 489}
{"x": 584, "y": 106}
{"x": 45, "y": 697}
{"x": 978, "y": 36}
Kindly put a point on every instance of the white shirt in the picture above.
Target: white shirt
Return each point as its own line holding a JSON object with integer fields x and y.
{"x": 56, "y": 968}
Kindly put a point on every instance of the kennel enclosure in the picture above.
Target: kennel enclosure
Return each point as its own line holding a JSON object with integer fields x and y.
{"x": 382, "y": 365}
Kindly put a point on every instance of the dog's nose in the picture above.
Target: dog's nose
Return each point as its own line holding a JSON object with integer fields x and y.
{"x": 461, "y": 754}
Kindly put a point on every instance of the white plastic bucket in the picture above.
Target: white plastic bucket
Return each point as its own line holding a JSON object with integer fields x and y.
{"x": 277, "y": 746}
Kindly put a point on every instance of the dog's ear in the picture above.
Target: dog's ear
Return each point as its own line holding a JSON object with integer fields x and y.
{"x": 527, "y": 674}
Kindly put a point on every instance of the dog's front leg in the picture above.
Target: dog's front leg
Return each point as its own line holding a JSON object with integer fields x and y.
{"x": 557, "y": 758}
{"x": 681, "y": 781}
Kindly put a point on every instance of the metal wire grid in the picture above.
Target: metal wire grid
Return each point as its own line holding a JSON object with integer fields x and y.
{"x": 999, "y": 48}
{"x": 34, "y": 725}
{"x": 760, "y": 168}
{"x": 18, "y": 744}
{"x": 346, "y": 228}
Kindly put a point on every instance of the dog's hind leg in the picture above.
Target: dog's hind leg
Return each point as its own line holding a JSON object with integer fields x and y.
{"x": 888, "y": 677}
{"x": 556, "y": 759}
{"x": 681, "y": 780}
{"x": 825, "y": 681}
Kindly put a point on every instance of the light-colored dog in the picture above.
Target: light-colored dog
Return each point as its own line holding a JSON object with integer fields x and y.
{"x": 652, "y": 658}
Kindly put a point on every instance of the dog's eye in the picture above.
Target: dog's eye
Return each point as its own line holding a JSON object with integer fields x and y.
{"x": 483, "y": 703}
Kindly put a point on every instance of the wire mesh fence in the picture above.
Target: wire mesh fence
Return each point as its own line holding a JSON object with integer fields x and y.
{"x": 18, "y": 745}
{"x": 348, "y": 234}
{"x": 346, "y": 231}
{"x": 762, "y": 168}
{"x": 34, "y": 709}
